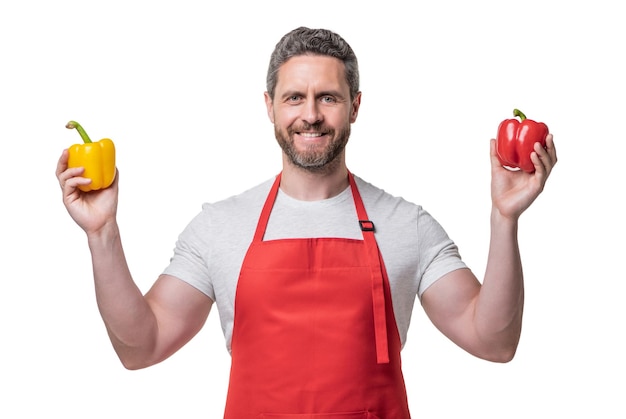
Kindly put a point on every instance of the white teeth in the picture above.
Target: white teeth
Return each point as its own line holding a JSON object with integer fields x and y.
{"x": 311, "y": 134}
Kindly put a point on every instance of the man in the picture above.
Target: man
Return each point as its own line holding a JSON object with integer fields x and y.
{"x": 315, "y": 272}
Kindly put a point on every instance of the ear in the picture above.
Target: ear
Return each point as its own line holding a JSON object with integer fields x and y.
{"x": 356, "y": 104}
{"x": 269, "y": 104}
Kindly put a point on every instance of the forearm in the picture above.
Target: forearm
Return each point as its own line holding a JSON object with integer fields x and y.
{"x": 500, "y": 304}
{"x": 128, "y": 318}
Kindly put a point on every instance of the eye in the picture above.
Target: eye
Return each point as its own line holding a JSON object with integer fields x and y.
{"x": 293, "y": 98}
{"x": 328, "y": 99}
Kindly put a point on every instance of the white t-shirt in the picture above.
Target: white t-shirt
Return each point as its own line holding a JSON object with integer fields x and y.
{"x": 415, "y": 248}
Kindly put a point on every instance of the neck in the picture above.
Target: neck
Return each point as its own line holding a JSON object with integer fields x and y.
{"x": 307, "y": 185}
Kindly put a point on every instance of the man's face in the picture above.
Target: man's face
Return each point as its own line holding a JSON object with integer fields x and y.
{"x": 312, "y": 110}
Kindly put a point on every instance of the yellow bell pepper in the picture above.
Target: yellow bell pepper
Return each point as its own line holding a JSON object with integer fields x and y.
{"x": 97, "y": 158}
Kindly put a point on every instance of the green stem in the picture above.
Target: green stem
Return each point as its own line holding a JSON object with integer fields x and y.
{"x": 79, "y": 128}
{"x": 517, "y": 112}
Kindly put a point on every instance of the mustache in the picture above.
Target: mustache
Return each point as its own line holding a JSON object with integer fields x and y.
{"x": 317, "y": 126}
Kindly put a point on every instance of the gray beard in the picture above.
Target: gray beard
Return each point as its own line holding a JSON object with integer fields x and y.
{"x": 311, "y": 159}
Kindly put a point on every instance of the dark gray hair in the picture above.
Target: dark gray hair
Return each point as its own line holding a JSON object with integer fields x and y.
{"x": 303, "y": 41}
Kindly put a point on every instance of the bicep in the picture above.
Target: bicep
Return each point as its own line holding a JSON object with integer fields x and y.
{"x": 180, "y": 311}
{"x": 449, "y": 303}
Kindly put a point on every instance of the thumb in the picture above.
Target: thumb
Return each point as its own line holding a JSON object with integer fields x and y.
{"x": 495, "y": 160}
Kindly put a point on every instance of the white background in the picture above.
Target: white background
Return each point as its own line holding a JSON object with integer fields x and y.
{"x": 179, "y": 87}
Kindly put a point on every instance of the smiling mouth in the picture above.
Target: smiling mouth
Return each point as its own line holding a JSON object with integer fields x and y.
{"x": 311, "y": 134}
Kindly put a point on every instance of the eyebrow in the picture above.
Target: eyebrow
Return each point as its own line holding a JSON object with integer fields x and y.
{"x": 334, "y": 93}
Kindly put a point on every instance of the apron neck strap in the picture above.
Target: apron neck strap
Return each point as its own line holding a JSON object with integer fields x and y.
{"x": 267, "y": 209}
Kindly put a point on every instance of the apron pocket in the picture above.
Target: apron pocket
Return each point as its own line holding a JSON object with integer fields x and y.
{"x": 345, "y": 415}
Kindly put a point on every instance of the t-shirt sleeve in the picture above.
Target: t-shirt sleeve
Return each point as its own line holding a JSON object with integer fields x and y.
{"x": 439, "y": 254}
{"x": 189, "y": 263}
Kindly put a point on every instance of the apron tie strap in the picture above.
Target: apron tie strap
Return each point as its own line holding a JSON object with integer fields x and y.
{"x": 378, "y": 291}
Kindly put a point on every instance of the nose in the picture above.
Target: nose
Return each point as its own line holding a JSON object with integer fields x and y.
{"x": 311, "y": 112}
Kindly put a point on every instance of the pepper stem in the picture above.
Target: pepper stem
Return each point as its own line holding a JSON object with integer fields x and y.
{"x": 519, "y": 113}
{"x": 79, "y": 128}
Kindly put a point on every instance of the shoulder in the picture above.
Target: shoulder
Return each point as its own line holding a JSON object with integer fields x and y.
{"x": 385, "y": 206}
{"x": 251, "y": 196}
{"x": 230, "y": 215}
{"x": 242, "y": 204}
{"x": 397, "y": 219}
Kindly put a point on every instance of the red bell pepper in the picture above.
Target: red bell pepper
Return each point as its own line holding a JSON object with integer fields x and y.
{"x": 516, "y": 141}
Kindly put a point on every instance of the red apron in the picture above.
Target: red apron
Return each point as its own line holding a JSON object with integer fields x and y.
{"x": 314, "y": 333}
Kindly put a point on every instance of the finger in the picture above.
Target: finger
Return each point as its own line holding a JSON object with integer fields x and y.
{"x": 71, "y": 185}
{"x": 547, "y": 156}
{"x": 544, "y": 158}
{"x": 71, "y": 179}
{"x": 551, "y": 148}
{"x": 62, "y": 163}
{"x": 116, "y": 178}
{"x": 69, "y": 173}
{"x": 541, "y": 168}
{"x": 495, "y": 161}
{"x": 62, "y": 171}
